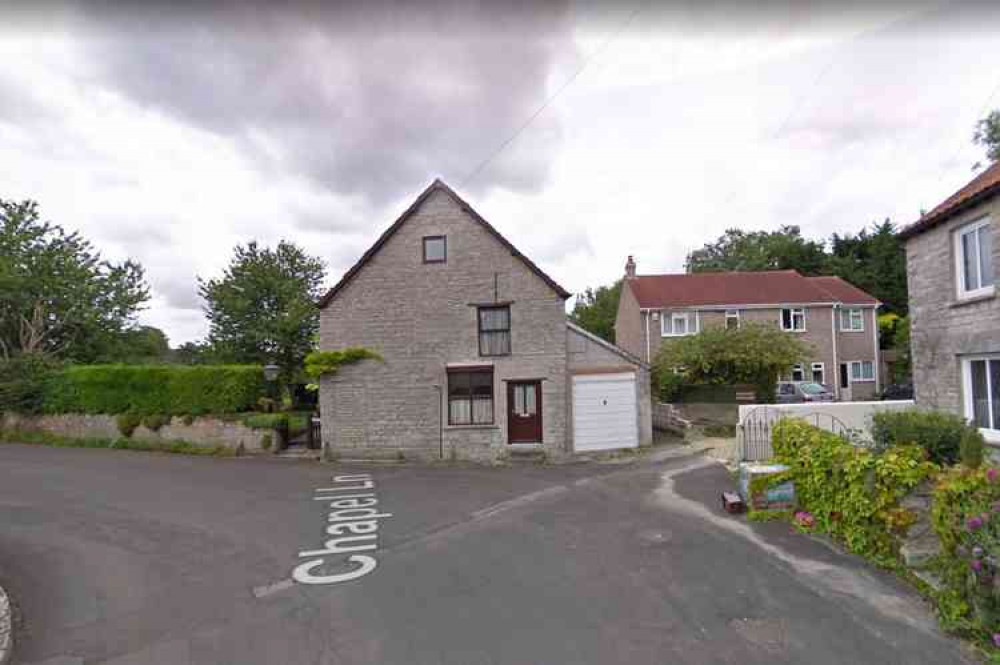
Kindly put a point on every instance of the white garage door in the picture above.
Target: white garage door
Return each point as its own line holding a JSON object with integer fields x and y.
{"x": 604, "y": 411}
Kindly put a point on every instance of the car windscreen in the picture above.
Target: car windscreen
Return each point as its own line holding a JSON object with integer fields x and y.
{"x": 812, "y": 388}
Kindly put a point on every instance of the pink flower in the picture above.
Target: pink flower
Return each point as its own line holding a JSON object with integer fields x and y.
{"x": 996, "y": 640}
{"x": 805, "y": 518}
{"x": 976, "y": 565}
{"x": 991, "y": 474}
{"x": 974, "y": 523}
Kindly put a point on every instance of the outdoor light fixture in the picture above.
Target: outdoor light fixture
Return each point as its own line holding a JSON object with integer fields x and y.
{"x": 271, "y": 372}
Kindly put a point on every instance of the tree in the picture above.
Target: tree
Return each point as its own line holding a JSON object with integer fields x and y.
{"x": 57, "y": 295}
{"x": 987, "y": 134}
{"x": 141, "y": 345}
{"x": 874, "y": 261}
{"x": 754, "y": 353}
{"x": 784, "y": 249}
{"x": 596, "y": 310}
{"x": 263, "y": 309}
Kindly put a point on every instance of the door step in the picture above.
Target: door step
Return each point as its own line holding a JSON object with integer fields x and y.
{"x": 526, "y": 452}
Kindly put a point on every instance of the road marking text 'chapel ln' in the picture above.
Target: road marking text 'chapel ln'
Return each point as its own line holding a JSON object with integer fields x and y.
{"x": 353, "y": 527}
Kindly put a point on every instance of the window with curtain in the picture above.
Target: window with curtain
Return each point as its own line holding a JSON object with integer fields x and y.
{"x": 494, "y": 331}
{"x": 974, "y": 259}
{"x": 852, "y": 320}
{"x": 470, "y": 397}
{"x": 793, "y": 319}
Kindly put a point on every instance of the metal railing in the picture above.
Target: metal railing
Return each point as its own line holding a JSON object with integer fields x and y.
{"x": 753, "y": 434}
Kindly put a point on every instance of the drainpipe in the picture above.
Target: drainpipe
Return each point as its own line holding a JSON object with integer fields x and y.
{"x": 836, "y": 366}
{"x": 440, "y": 420}
{"x": 648, "y": 316}
{"x": 878, "y": 354}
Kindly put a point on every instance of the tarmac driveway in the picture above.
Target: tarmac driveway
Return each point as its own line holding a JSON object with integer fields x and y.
{"x": 120, "y": 557}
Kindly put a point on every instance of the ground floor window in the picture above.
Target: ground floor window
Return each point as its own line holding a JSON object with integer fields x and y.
{"x": 862, "y": 370}
{"x": 798, "y": 372}
{"x": 470, "y": 396}
{"x": 818, "y": 373}
{"x": 982, "y": 383}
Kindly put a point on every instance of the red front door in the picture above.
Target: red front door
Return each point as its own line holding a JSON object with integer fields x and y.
{"x": 524, "y": 412}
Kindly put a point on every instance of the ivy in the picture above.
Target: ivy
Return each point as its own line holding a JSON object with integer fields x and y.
{"x": 851, "y": 493}
{"x": 319, "y": 363}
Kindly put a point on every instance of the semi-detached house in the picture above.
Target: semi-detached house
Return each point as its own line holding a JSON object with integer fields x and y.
{"x": 479, "y": 358}
{"x": 837, "y": 319}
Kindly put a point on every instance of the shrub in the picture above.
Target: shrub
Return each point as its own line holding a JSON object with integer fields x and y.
{"x": 155, "y": 389}
{"x": 23, "y": 382}
{"x": 265, "y": 442}
{"x": 851, "y": 493}
{"x": 668, "y": 384}
{"x": 266, "y": 420}
{"x": 154, "y": 422}
{"x": 940, "y": 434}
{"x": 127, "y": 422}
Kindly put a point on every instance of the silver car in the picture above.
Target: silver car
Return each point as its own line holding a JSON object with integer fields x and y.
{"x": 791, "y": 392}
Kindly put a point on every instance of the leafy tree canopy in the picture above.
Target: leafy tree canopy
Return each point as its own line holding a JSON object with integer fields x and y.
{"x": 57, "y": 295}
{"x": 987, "y": 134}
{"x": 754, "y": 353}
{"x": 263, "y": 309}
{"x": 784, "y": 249}
{"x": 873, "y": 260}
{"x": 595, "y": 310}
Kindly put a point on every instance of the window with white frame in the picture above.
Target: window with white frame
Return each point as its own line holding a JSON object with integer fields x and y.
{"x": 798, "y": 372}
{"x": 974, "y": 259}
{"x": 793, "y": 318}
{"x": 982, "y": 393}
{"x": 732, "y": 319}
{"x": 852, "y": 320}
{"x": 818, "y": 373}
{"x": 678, "y": 324}
{"x": 862, "y": 370}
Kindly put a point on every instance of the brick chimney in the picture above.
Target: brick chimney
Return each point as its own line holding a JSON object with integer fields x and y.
{"x": 630, "y": 268}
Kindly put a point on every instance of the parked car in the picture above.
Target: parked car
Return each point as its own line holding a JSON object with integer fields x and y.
{"x": 897, "y": 391}
{"x": 791, "y": 392}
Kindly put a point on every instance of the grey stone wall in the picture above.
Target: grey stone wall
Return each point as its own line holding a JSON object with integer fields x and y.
{"x": 421, "y": 317}
{"x": 203, "y": 431}
{"x": 942, "y": 328}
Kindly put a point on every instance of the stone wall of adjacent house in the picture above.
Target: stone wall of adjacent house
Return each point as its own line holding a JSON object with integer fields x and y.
{"x": 421, "y": 318}
{"x": 203, "y": 431}
{"x": 942, "y": 328}
{"x": 584, "y": 354}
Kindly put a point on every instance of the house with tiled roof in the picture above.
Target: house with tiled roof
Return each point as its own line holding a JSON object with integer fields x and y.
{"x": 837, "y": 319}
{"x": 479, "y": 359}
{"x": 954, "y": 313}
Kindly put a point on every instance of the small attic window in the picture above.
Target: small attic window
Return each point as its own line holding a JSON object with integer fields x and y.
{"x": 435, "y": 249}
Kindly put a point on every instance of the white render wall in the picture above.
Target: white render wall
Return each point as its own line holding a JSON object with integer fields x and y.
{"x": 855, "y": 415}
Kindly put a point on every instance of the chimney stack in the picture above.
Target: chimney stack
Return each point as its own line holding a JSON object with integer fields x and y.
{"x": 630, "y": 268}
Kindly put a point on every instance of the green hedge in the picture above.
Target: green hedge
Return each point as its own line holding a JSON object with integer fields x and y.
{"x": 24, "y": 381}
{"x": 155, "y": 389}
{"x": 946, "y": 437}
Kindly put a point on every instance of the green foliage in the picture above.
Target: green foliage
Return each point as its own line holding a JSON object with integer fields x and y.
{"x": 873, "y": 260}
{"x": 852, "y": 493}
{"x": 155, "y": 421}
{"x": 966, "y": 518}
{"x": 144, "y": 344}
{"x": 319, "y": 363}
{"x": 23, "y": 382}
{"x": 265, "y": 442}
{"x": 755, "y": 353}
{"x": 263, "y": 308}
{"x": 595, "y": 310}
{"x": 668, "y": 384}
{"x": 987, "y": 134}
{"x": 57, "y": 295}
{"x": 127, "y": 422}
{"x": 266, "y": 421}
{"x": 943, "y": 435}
{"x": 176, "y": 447}
{"x": 737, "y": 249}
{"x": 155, "y": 389}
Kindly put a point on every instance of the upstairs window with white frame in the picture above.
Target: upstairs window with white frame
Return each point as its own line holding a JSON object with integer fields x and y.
{"x": 732, "y": 319}
{"x": 982, "y": 394}
{"x": 974, "y": 259}
{"x": 678, "y": 324}
{"x": 793, "y": 319}
{"x": 852, "y": 320}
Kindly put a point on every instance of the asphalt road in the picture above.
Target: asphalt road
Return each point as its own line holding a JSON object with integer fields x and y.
{"x": 142, "y": 559}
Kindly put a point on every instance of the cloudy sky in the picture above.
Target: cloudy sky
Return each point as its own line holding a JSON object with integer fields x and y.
{"x": 584, "y": 131}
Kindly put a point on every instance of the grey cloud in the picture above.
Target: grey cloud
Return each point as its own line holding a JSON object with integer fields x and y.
{"x": 179, "y": 289}
{"x": 374, "y": 103}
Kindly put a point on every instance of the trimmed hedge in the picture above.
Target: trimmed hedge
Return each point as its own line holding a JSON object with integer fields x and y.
{"x": 152, "y": 390}
{"x": 24, "y": 381}
{"x": 946, "y": 437}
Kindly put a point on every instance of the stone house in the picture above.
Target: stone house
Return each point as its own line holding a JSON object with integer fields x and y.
{"x": 479, "y": 358}
{"x": 954, "y": 313}
{"x": 837, "y": 319}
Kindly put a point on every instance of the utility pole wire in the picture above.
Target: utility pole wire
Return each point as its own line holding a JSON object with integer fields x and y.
{"x": 600, "y": 49}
